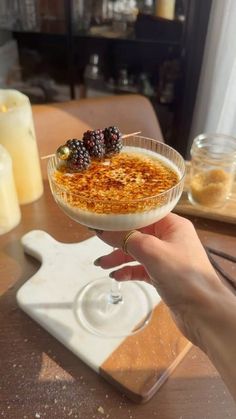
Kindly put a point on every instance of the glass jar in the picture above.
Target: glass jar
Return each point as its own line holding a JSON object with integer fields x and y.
{"x": 10, "y": 214}
{"x": 213, "y": 162}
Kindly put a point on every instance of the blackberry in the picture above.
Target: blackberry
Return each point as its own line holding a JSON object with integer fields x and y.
{"x": 79, "y": 158}
{"x": 113, "y": 140}
{"x": 94, "y": 143}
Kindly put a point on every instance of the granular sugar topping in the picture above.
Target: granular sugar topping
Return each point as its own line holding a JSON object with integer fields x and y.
{"x": 124, "y": 183}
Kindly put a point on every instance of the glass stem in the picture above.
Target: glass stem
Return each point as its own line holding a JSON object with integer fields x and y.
{"x": 115, "y": 296}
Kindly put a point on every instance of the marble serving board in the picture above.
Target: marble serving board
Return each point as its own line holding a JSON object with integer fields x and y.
{"x": 137, "y": 365}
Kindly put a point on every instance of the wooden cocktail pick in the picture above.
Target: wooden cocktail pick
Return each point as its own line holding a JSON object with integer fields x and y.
{"x": 123, "y": 136}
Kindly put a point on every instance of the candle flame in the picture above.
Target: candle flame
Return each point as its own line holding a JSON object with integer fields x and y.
{"x": 3, "y": 108}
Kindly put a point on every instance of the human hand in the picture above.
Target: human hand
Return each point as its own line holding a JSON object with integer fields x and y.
{"x": 171, "y": 257}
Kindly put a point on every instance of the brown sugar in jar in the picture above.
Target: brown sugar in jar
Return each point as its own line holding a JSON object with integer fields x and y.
{"x": 210, "y": 188}
{"x": 213, "y": 161}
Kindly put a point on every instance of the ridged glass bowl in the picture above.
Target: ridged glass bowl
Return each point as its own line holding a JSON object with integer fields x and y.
{"x": 122, "y": 214}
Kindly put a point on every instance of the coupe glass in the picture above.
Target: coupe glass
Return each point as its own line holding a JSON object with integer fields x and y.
{"x": 104, "y": 306}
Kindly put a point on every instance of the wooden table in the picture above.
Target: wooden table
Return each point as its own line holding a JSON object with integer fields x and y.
{"x": 41, "y": 378}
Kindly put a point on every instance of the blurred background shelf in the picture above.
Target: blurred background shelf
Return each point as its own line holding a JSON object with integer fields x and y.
{"x": 72, "y": 48}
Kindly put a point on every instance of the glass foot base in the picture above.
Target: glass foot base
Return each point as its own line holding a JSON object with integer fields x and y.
{"x": 94, "y": 310}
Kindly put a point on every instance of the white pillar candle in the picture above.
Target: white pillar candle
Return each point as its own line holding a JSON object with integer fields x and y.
{"x": 17, "y": 135}
{"x": 9, "y": 207}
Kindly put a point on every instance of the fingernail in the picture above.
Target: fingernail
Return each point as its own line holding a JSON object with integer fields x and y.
{"x": 97, "y": 261}
{"x": 112, "y": 274}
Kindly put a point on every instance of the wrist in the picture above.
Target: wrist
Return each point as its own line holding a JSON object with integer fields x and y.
{"x": 213, "y": 314}
{"x": 215, "y": 330}
{"x": 219, "y": 321}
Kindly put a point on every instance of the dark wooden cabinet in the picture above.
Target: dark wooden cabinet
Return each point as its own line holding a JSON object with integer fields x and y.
{"x": 167, "y": 54}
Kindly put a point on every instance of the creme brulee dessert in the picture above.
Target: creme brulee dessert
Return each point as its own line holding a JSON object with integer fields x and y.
{"x": 127, "y": 190}
{"x": 109, "y": 184}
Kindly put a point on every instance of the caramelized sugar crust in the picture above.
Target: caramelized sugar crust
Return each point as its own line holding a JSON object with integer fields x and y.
{"x": 125, "y": 183}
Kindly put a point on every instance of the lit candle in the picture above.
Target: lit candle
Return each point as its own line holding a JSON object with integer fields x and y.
{"x": 17, "y": 135}
{"x": 165, "y": 9}
{"x": 9, "y": 207}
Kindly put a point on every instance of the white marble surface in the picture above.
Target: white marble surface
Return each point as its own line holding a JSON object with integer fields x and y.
{"x": 48, "y": 296}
